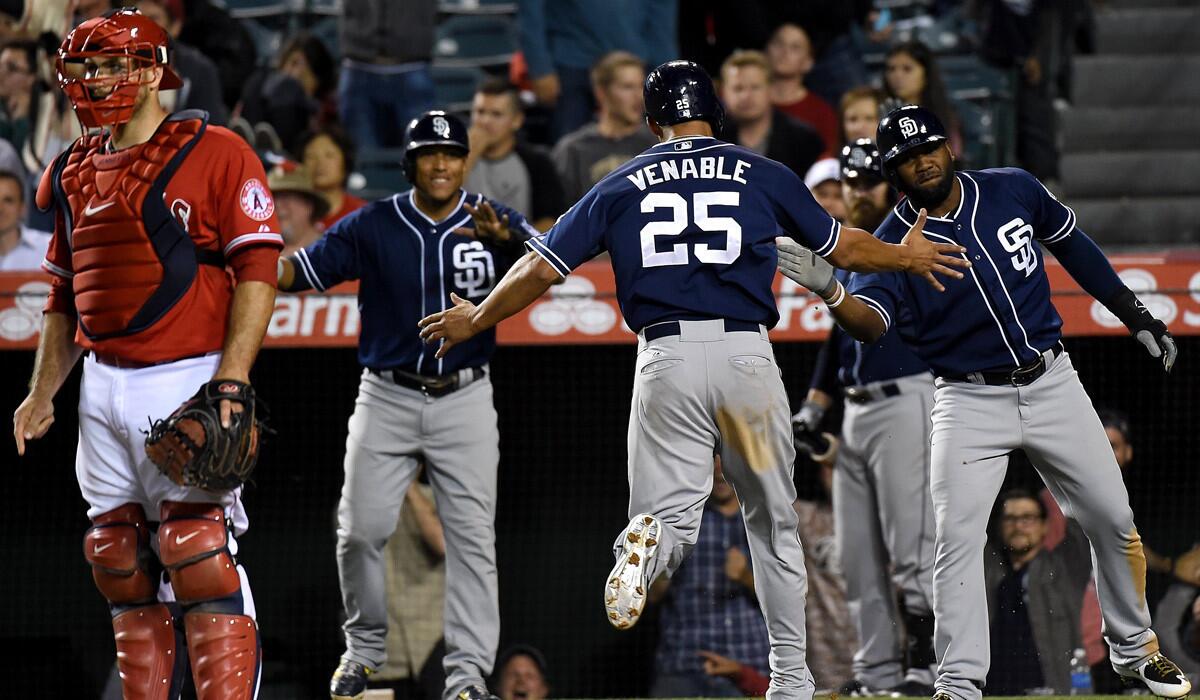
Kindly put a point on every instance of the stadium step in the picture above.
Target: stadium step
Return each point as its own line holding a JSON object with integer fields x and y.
{"x": 1141, "y": 221}
{"x": 1115, "y": 81}
{"x": 1137, "y": 173}
{"x": 1122, "y": 4}
{"x": 1149, "y": 30}
{"x": 1129, "y": 128}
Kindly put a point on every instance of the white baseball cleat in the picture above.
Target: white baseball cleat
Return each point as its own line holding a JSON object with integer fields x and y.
{"x": 1160, "y": 675}
{"x": 626, "y": 587}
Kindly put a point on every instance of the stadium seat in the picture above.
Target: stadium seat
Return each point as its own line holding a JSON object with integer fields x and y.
{"x": 475, "y": 40}
{"x": 380, "y": 173}
{"x": 323, "y": 7}
{"x": 477, "y": 7}
{"x": 454, "y": 87}
{"x": 248, "y": 9}
{"x": 267, "y": 41}
{"x": 983, "y": 97}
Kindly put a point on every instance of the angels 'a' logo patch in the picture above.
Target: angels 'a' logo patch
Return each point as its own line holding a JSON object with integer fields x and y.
{"x": 256, "y": 200}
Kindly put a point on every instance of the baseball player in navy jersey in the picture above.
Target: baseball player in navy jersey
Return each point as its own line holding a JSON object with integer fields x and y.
{"x": 413, "y": 253}
{"x": 690, "y": 226}
{"x": 1003, "y": 383}
{"x": 881, "y": 505}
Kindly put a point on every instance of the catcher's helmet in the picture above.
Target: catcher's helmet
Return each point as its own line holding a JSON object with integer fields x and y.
{"x": 433, "y": 128}
{"x": 680, "y": 91}
{"x": 903, "y": 130}
{"x": 861, "y": 160}
{"x": 103, "y": 91}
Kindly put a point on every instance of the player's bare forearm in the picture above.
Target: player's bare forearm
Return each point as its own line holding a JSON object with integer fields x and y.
{"x": 859, "y": 251}
{"x": 57, "y": 353}
{"x": 820, "y": 398}
{"x": 859, "y": 320}
{"x": 249, "y": 314}
{"x": 527, "y": 280}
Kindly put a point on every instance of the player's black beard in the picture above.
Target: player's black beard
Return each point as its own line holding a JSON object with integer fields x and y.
{"x": 864, "y": 215}
{"x": 931, "y": 197}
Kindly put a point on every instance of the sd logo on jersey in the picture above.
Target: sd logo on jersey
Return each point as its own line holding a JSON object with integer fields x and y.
{"x": 476, "y": 270}
{"x": 1017, "y": 237}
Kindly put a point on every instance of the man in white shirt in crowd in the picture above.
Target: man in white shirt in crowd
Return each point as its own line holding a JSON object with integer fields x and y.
{"x": 21, "y": 248}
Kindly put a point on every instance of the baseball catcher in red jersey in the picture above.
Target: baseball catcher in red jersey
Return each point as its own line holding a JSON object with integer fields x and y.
{"x": 153, "y": 212}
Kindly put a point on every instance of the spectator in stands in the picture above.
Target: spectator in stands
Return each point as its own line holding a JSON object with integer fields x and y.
{"x": 18, "y": 88}
{"x": 755, "y": 124}
{"x": 859, "y": 113}
{"x": 201, "y": 84}
{"x": 385, "y": 80}
{"x": 709, "y": 605}
{"x": 291, "y": 96}
{"x": 1031, "y": 38}
{"x": 1034, "y": 598}
{"x": 209, "y": 28}
{"x": 911, "y": 76}
{"x": 562, "y": 41}
{"x": 90, "y": 9}
{"x": 521, "y": 674}
{"x": 416, "y": 582}
{"x": 587, "y": 154}
{"x": 830, "y": 25}
{"x": 52, "y": 122}
{"x": 299, "y": 206}
{"x": 1191, "y": 629}
{"x": 823, "y": 179}
{"x": 329, "y": 155}
{"x": 501, "y": 167}
{"x": 21, "y": 248}
{"x": 790, "y": 54}
{"x": 830, "y": 631}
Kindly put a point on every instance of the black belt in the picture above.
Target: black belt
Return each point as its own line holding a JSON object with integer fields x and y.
{"x": 662, "y": 330}
{"x": 862, "y": 394}
{"x": 431, "y": 386}
{"x": 119, "y": 362}
{"x": 1021, "y": 376}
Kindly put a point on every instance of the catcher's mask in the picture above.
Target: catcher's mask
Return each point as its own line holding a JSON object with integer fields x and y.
{"x": 103, "y": 63}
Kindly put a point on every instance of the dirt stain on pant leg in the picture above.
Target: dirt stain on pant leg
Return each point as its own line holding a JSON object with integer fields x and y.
{"x": 1137, "y": 564}
{"x": 746, "y": 433}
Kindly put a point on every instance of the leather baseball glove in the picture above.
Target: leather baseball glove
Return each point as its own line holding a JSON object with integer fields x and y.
{"x": 192, "y": 448}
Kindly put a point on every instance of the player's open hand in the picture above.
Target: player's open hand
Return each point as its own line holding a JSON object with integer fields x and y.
{"x": 927, "y": 257}
{"x": 451, "y": 326}
{"x": 32, "y": 419}
{"x": 488, "y": 225}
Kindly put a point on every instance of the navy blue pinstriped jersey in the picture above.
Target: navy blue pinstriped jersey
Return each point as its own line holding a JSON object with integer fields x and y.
{"x": 690, "y": 225}
{"x": 886, "y": 359}
{"x": 999, "y": 315}
{"x": 407, "y": 266}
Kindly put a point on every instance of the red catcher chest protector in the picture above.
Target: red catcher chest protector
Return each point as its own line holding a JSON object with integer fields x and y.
{"x": 132, "y": 259}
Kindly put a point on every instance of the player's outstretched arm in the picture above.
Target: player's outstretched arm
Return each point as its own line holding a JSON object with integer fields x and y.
{"x": 527, "y": 280}
{"x": 57, "y": 353}
{"x": 859, "y": 251}
{"x": 815, "y": 274}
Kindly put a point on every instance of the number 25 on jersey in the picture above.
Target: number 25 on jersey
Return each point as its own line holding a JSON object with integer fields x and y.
{"x": 679, "y": 254}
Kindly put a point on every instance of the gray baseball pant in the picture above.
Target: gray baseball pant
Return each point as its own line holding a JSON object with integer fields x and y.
{"x": 707, "y": 390}
{"x": 392, "y": 430}
{"x": 884, "y": 521}
{"x": 975, "y": 427}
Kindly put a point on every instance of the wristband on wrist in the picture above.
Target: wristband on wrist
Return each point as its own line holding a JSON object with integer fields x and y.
{"x": 839, "y": 295}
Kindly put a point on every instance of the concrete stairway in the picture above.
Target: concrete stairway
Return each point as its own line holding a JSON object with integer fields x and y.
{"x": 1131, "y": 141}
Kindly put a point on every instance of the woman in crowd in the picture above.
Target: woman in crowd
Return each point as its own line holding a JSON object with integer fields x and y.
{"x": 293, "y": 96}
{"x": 329, "y": 156}
{"x": 911, "y": 76}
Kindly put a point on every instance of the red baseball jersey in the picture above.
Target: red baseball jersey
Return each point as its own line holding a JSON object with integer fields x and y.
{"x": 220, "y": 197}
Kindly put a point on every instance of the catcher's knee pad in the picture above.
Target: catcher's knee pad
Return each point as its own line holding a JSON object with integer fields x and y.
{"x": 117, "y": 545}
{"x": 150, "y": 655}
{"x": 224, "y": 650}
{"x": 193, "y": 544}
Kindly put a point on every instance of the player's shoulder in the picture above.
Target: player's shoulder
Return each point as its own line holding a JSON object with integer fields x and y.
{"x": 896, "y": 224}
{"x": 217, "y": 137}
{"x": 1007, "y": 177}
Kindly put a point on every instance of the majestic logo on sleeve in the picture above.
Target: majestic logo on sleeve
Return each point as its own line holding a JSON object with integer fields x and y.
{"x": 475, "y": 269}
{"x": 441, "y": 127}
{"x": 908, "y": 127}
{"x": 1017, "y": 237}
{"x": 256, "y": 200}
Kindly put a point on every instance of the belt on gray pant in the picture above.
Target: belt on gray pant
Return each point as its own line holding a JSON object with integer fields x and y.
{"x": 432, "y": 386}
{"x": 1021, "y": 376}
{"x": 662, "y": 330}
{"x": 867, "y": 394}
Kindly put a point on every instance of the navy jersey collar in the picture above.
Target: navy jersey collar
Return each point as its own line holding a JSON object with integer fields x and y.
{"x": 908, "y": 213}
{"x": 411, "y": 205}
{"x": 678, "y": 145}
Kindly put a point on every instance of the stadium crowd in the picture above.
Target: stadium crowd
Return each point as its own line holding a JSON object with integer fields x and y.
{"x": 327, "y": 110}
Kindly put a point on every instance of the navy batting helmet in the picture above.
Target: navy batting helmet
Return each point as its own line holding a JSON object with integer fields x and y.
{"x": 904, "y": 129}
{"x": 861, "y": 160}
{"x": 434, "y": 128}
{"x": 680, "y": 91}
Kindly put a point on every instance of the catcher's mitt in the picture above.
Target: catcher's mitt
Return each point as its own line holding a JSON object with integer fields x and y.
{"x": 192, "y": 448}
